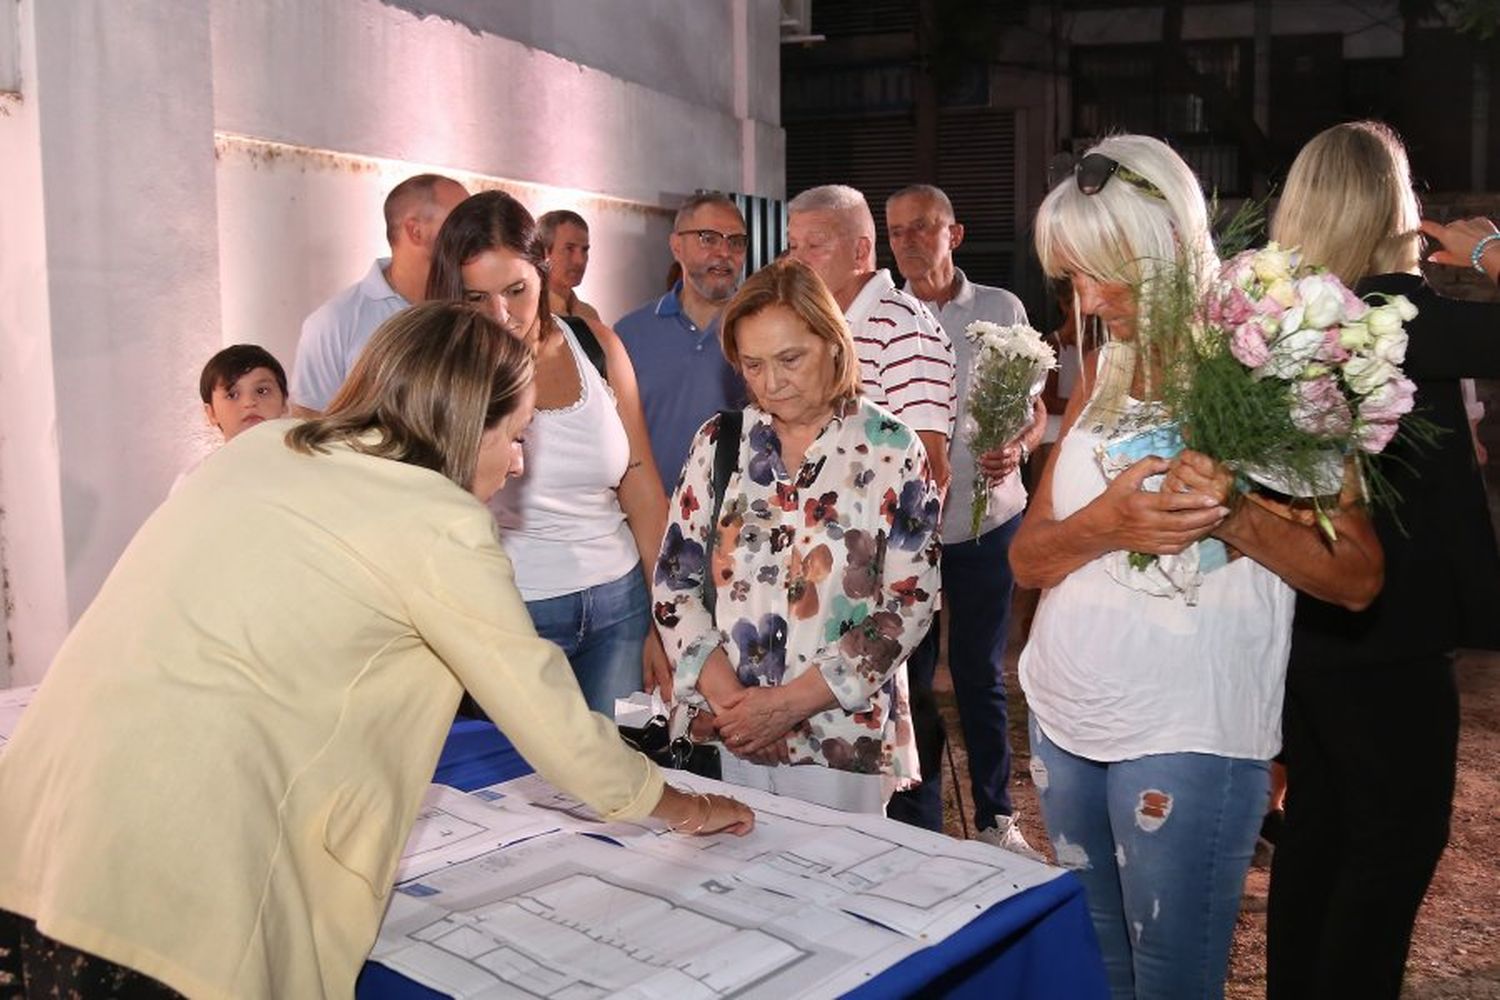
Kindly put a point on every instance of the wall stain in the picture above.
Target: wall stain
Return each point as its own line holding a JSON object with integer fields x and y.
{"x": 267, "y": 154}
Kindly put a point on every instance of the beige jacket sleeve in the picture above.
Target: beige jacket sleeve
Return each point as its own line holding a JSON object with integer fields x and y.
{"x": 466, "y": 607}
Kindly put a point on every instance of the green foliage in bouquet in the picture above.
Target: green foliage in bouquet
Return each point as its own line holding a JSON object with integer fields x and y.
{"x": 1281, "y": 391}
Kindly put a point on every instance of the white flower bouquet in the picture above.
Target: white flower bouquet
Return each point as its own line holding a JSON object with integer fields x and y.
{"x": 1009, "y": 370}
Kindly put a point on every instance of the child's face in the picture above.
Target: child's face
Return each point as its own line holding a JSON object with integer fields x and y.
{"x": 255, "y": 396}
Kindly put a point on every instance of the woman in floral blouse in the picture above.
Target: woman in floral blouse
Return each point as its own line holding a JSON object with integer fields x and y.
{"x": 824, "y": 563}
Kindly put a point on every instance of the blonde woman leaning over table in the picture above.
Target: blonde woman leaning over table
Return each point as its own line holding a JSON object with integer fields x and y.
{"x": 210, "y": 792}
{"x": 1153, "y": 717}
{"x": 824, "y": 559}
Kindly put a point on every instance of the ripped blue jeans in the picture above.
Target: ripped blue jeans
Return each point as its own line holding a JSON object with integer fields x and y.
{"x": 1161, "y": 844}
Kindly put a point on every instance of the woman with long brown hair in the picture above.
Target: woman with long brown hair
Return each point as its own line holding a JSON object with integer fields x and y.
{"x": 583, "y": 525}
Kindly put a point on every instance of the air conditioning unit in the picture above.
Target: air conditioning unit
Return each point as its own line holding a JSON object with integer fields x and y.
{"x": 796, "y": 23}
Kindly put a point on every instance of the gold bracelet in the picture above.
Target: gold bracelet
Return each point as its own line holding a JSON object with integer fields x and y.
{"x": 680, "y": 826}
{"x": 708, "y": 814}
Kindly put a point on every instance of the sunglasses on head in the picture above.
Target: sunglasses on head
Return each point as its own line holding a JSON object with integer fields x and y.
{"x": 1094, "y": 171}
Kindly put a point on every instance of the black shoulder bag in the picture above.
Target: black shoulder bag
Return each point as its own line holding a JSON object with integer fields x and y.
{"x": 592, "y": 349}
{"x": 726, "y": 455}
{"x": 654, "y": 738}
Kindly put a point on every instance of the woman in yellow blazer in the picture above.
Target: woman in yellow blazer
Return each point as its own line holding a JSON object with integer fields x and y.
{"x": 213, "y": 785}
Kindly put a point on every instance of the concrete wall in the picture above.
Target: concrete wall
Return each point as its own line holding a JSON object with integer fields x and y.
{"x": 183, "y": 176}
{"x": 33, "y": 600}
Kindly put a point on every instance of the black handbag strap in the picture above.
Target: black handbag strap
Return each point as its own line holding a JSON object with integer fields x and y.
{"x": 726, "y": 455}
{"x": 592, "y": 349}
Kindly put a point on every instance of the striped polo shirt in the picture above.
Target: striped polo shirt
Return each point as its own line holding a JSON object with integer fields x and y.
{"x": 906, "y": 361}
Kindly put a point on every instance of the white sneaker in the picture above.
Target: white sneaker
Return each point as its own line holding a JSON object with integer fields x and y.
{"x": 1006, "y": 834}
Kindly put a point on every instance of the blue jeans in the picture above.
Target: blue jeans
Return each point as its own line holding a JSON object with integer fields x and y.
{"x": 977, "y": 585}
{"x": 1161, "y": 844}
{"x": 602, "y": 630}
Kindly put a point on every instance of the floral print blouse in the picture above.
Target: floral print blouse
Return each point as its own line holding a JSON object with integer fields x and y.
{"x": 833, "y": 567}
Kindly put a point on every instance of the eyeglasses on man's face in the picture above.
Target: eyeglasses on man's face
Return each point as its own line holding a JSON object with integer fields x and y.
{"x": 712, "y": 239}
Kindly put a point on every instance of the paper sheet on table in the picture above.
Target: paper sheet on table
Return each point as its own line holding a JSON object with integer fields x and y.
{"x": 564, "y": 915}
{"x": 13, "y": 702}
{"x": 812, "y": 903}
{"x": 454, "y": 826}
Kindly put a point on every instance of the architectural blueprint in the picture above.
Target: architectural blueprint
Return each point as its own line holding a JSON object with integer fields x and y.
{"x": 811, "y": 904}
{"x": 454, "y": 826}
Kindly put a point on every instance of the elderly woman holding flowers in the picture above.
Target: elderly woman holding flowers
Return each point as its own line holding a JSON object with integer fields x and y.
{"x": 1371, "y": 715}
{"x": 1154, "y": 710}
{"x": 790, "y": 596}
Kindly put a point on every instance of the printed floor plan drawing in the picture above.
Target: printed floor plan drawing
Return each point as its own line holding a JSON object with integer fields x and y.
{"x": 453, "y": 827}
{"x": 811, "y": 904}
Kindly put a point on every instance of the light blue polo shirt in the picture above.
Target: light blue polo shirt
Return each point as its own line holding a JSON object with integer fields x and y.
{"x": 682, "y": 375}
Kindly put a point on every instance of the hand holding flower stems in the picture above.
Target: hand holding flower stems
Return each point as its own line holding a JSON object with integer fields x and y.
{"x": 1193, "y": 472}
{"x": 997, "y": 463}
{"x": 1009, "y": 370}
{"x": 1163, "y": 522}
{"x": 1458, "y": 241}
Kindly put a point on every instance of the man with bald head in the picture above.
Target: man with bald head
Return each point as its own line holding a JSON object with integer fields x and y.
{"x": 977, "y": 583}
{"x": 335, "y": 333}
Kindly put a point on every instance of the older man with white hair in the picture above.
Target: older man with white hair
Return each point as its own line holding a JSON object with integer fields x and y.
{"x": 906, "y": 365}
{"x": 906, "y": 361}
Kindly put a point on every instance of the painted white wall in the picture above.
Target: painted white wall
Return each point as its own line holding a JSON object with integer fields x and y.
{"x": 184, "y": 176}
{"x": 297, "y": 225}
{"x": 33, "y": 601}
{"x": 132, "y": 269}
{"x": 374, "y": 79}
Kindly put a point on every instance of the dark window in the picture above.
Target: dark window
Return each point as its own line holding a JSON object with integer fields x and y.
{"x": 1134, "y": 88}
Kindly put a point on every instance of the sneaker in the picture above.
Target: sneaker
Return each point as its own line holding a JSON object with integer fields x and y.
{"x": 1006, "y": 834}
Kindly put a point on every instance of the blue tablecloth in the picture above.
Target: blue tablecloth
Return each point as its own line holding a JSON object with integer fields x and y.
{"x": 1037, "y": 944}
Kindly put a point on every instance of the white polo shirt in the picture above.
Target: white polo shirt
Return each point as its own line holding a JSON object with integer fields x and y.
{"x": 335, "y": 333}
{"x": 1007, "y": 498}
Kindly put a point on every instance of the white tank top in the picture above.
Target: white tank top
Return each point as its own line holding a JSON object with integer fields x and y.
{"x": 1112, "y": 673}
{"x": 561, "y": 522}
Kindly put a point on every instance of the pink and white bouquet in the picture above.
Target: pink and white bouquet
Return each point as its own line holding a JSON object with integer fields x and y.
{"x": 1009, "y": 370}
{"x": 1341, "y": 354}
{"x": 1292, "y": 373}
